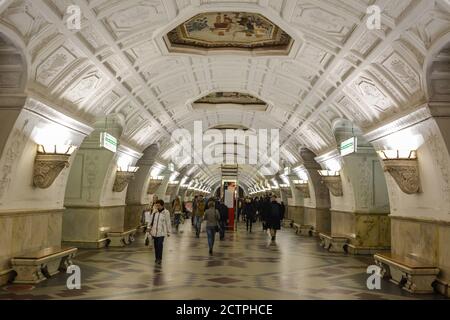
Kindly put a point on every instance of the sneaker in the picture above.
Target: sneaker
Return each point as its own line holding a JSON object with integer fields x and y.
{"x": 210, "y": 252}
{"x": 273, "y": 238}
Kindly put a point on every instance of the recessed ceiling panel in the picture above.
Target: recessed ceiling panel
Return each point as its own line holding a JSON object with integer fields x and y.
{"x": 230, "y": 31}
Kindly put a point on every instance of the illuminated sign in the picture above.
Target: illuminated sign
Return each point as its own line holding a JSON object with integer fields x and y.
{"x": 349, "y": 146}
{"x": 108, "y": 142}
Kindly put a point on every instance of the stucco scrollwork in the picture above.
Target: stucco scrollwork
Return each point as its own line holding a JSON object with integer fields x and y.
{"x": 47, "y": 168}
{"x": 122, "y": 180}
{"x": 405, "y": 174}
{"x": 153, "y": 186}
{"x": 334, "y": 184}
{"x": 304, "y": 190}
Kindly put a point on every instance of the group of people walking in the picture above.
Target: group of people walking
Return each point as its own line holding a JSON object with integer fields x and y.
{"x": 266, "y": 209}
{"x": 213, "y": 213}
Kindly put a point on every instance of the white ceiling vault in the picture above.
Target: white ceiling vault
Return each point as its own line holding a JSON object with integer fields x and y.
{"x": 118, "y": 63}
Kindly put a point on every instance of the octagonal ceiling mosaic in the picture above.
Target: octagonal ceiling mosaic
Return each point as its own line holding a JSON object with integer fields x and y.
{"x": 239, "y": 99}
{"x": 229, "y": 31}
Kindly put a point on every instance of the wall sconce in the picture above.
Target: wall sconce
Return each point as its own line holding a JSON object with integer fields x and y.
{"x": 50, "y": 161}
{"x": 123, "y": 178}
{"x": 303, "y": 187}
{"x": 155, "y": 183}
{"x": 403, "y": 166}
{"x": 332, "y": 180}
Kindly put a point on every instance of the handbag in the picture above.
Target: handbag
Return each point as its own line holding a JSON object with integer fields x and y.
{"x": 147, "y": 239}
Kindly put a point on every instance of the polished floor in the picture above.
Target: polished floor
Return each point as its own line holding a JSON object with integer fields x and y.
{"x": 244, "y": 266}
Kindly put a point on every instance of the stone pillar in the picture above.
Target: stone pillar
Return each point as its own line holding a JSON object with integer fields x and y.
{"x": 31, "y": 217}
{"x": 361, "y": 213}
{"x": 317, "y": 207}
{"x": 92, "y": 208}
{"x": 138, "y": 199}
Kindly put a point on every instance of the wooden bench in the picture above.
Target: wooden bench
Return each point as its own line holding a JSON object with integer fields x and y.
{"x": 120, "y": 238}
{"x": 412, "y": 275}
{"x": 333, "y": 243}
{"x": 35, "y": 267}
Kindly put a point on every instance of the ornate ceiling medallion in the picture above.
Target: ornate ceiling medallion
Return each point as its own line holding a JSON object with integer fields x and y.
{"x": 219, "y": 31}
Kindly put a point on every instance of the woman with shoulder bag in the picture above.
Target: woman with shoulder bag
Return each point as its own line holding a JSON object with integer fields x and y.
{"x": 212, "y": 218}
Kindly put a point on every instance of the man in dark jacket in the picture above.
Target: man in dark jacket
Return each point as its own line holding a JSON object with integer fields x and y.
{"x": 274, "y": 217}
{"x": 249, "y": 213}
{"x": 223, "y": 211}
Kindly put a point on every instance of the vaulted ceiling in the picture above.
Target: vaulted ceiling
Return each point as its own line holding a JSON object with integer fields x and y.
{"x": 119, "y": 62}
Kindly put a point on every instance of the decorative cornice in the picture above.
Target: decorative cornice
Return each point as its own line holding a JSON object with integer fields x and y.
{"x": 332, "y": 154}
{"x": 421, "y": 220}
{"x": 129, "y": 151}
{"x": 29, "y": 212}
{"x": 402, "y": 121}
{"x": 48, "y": 113}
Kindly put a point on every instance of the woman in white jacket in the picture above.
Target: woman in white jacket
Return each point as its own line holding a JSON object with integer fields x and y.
{"x": 159, "y": 227}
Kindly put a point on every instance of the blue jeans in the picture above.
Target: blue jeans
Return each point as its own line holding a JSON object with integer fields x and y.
{"x": 211, "y": 232}
{"x": 197, "y": 224}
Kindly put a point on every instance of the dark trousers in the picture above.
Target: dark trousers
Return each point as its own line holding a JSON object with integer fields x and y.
{"x": 222, "y": 229}
{"x": 249, "y": 224}
{"x": 158, "y": 244}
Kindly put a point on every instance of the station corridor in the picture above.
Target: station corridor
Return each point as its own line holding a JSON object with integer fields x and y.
{"x": 327, "y": 121}
{"x": 245, "y": 266}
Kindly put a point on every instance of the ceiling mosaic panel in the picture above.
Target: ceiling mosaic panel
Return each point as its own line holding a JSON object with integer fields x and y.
{"x": 230, "y": 98}
{"x": 229, "y": 30}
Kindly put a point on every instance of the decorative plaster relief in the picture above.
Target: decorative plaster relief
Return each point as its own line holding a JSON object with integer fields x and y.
{"x": 334, "y": 184}
{"x": 11, "y": 154}
{"x": 405, "y": 174}
{"x": 53, "y": 65}
{"x": 47, "y": 168}
{"x": 83, "y": 89}
{"x": 372, "y": 95}
{"x": 122, "y": 180}
{"x": 406, "y": 75}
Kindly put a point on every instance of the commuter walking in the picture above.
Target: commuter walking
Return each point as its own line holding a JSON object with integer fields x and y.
{"x": 223, "y": 211}
{"x": 194, "y": 208}
{"x": 249, "y": 213}
{"x": 273, "y": 219}
{"x": 177, "y": 210}
{"x": 212, "y": 218}
{"x": 198, "y": 215}
{"x": 160, "y": 227}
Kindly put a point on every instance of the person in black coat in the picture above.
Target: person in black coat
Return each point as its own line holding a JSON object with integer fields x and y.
{"x": 223, "y": 211}
{"x": 274, "y": 217}
{"x": 283, "y": 210}
{"x": 249, "y": 212}
{"x": 265, "y": 210}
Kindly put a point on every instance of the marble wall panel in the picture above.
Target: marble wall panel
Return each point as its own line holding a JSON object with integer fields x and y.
{"x": 22, "y": 231}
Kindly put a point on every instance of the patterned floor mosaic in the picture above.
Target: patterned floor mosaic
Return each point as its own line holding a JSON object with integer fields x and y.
{"x": 244, "y": 266}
